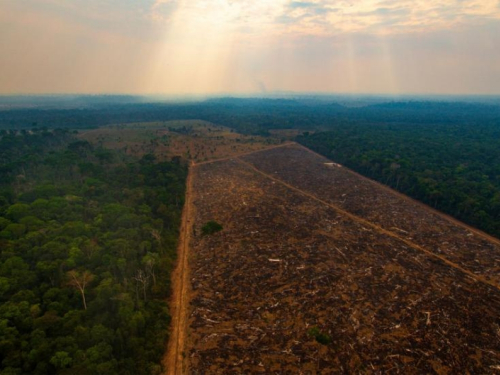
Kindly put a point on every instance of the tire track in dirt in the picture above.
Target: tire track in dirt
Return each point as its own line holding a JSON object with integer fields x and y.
{"x": 479, "y": 232}
{"x": 246, "y": 153}
{"x": 174, "y": 361}
{"x": 365, "y": 222}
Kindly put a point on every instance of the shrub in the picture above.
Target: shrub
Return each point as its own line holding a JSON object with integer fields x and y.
{"x": 210, "y": 228}
{"x": 321, "y": 337}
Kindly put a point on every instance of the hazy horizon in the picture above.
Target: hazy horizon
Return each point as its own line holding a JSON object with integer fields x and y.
{"x": 221, "y": 47}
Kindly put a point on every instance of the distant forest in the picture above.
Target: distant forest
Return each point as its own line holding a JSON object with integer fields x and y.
{"x": 258, "y": 116}
{"x": 87, "y": 241}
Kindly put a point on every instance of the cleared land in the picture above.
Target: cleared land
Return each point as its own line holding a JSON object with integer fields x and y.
{"x": 312, "y": 248}
{"x": 188, "y": 139}
{"x": 406, "y": 218}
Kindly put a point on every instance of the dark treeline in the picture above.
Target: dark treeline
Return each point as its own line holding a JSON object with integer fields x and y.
{"x": 67, "y": 101}
{"x": 87, "y": 242}
{"x": 257, "y": 116}
{"x": 454, "y": 167}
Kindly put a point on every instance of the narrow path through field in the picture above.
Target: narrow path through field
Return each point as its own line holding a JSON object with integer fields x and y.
{"x": 174, "y": 360}
{"x": 365, "y": 222}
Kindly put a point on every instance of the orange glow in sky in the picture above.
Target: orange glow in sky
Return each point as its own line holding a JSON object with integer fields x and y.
{"x": 250, "y": 46}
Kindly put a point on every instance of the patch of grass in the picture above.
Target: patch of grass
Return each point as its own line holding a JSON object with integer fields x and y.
{"x": 210, "y": 228}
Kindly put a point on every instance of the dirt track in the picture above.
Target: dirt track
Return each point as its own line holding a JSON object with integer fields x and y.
{"x": 405, "y": 218}
{"x": 379, "y": 229}
{"x": 405, "y": 197}
{"x": 174, "y": 360}
{"x": 245, "y": 153}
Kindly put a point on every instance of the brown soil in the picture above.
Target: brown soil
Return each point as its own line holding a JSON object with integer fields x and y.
{"x": 397, "y": 287}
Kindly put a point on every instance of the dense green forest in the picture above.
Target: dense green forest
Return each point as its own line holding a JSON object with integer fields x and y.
{"x": 87, "y": 242}
{"x": 452, "y": 167}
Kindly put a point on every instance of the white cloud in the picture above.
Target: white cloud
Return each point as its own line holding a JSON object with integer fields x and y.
{"x": 327, "y": 17}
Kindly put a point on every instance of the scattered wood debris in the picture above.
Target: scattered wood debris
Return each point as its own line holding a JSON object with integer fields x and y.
{"x": 388, "y": 307}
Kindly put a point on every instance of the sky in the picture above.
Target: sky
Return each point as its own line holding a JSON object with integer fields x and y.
{"x": 250, "y": 46}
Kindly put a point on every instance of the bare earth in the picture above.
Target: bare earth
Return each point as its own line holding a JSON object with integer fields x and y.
{"x": 397, "y": 287}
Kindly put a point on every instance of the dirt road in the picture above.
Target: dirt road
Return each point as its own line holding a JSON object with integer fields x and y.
{"x": 174, "y": 360}
{"x": 478, "y": 232}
